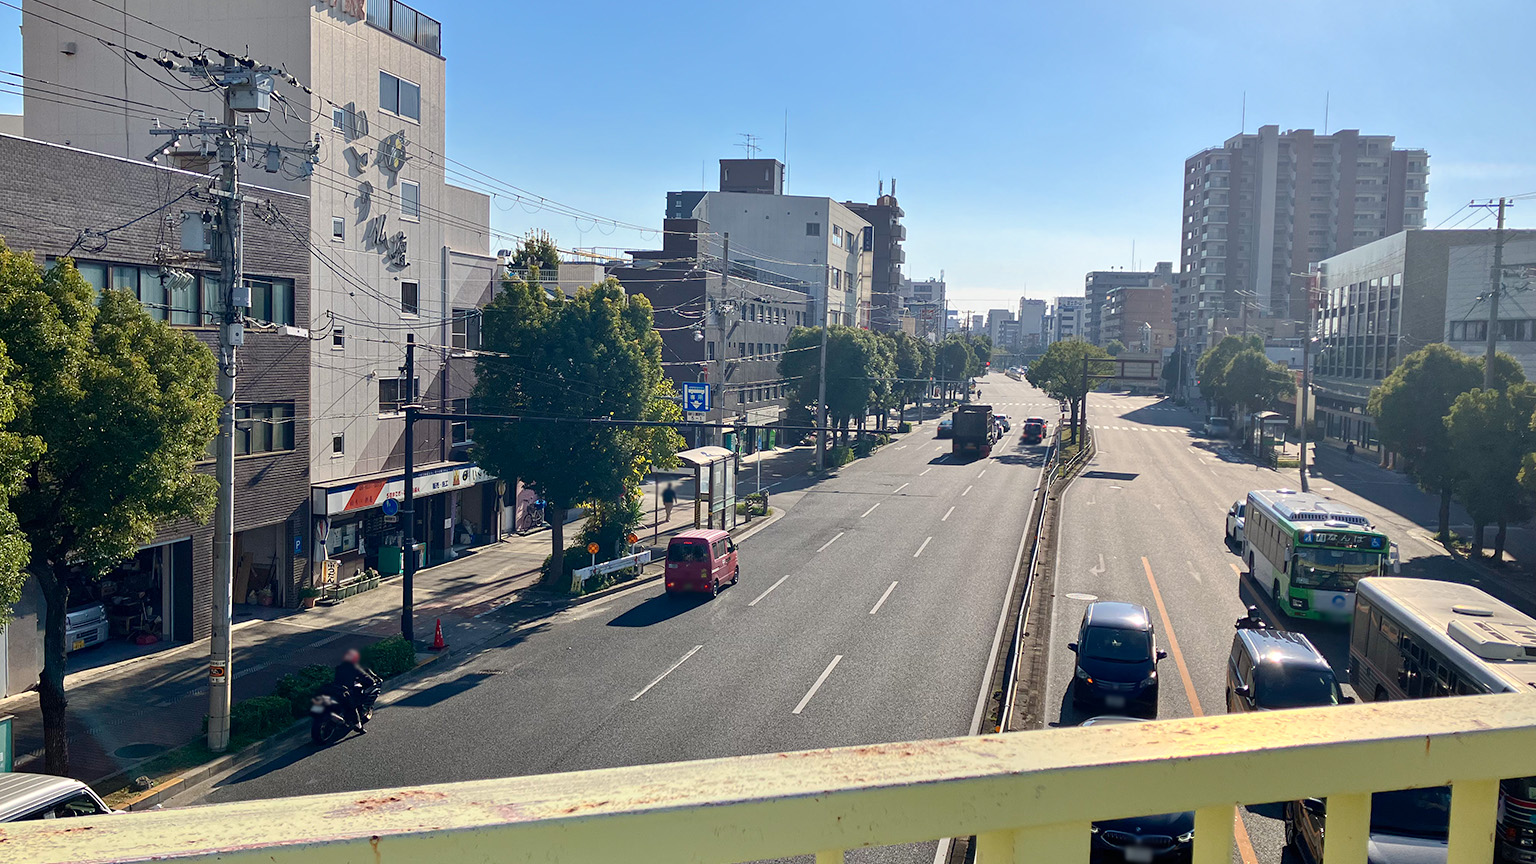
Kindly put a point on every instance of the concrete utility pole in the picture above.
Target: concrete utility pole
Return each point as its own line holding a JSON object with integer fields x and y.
{"x": 1497, "y": 288}
{"x": 821, "y": 379}
{"x": 1306, "y": 377}
{"x": 408, "y": 505}
{"x": 247, "y": 90}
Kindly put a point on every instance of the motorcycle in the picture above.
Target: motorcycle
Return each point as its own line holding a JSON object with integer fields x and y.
{"x": 329, "y": 708}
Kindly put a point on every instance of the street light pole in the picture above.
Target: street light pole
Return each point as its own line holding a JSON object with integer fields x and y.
{"x": 821, "y": 379}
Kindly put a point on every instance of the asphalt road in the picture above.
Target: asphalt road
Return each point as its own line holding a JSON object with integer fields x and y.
{"x": 1145, "y": 524}
{"x": 866, "y": 614}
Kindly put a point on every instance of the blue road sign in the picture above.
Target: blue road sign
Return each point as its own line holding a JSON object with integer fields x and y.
{"x": 695, "y": 396}
{"x": 390, "y": 506}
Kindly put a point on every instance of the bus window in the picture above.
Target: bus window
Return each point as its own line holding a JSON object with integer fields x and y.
{"x": 1360, "y": 629}
{"x": 1385, "y": 654}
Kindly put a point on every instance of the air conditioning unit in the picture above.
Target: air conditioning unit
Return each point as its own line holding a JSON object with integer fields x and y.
{"x": 1495, "y": 640}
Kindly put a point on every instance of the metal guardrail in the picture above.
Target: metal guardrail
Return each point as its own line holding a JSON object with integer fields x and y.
{"x": 1025, "y": 797}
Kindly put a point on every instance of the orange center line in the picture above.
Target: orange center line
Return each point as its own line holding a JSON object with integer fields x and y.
{"x": 1240, "y": 831}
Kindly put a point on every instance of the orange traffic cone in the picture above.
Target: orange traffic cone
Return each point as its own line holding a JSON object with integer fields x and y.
{"x": 437, "y": 638}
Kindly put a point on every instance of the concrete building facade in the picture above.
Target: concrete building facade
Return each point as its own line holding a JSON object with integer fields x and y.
{"x": 886, "y": 255}
{"x": 396, "y": 252}
{"x": 1031, "y": 323}
{"x": 1066, "y": 319}
{"x": 1098, "y": 284}
{"x": 1127, "y": 309}
{"x": 1267, "y": 205}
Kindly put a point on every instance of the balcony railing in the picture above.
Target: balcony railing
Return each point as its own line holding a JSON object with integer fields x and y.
{"x": 1025, "y": 796}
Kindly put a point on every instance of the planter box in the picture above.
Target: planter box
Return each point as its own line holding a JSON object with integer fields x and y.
{"x": 351, "y": 589}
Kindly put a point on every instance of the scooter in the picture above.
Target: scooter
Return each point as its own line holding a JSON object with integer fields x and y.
{"x": 329, "y": 708}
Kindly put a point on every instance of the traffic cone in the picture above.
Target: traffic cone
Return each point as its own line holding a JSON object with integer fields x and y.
{"x": 437, "y": 638}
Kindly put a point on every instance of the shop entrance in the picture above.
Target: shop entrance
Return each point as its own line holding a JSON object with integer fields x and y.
{"x": 261, "y": 566}
{"x": 144, "y": 600}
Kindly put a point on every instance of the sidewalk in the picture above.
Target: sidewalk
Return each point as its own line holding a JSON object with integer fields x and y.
{"x": 124, "y": 713}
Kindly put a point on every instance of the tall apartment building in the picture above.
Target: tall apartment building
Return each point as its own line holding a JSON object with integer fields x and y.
{"x": 806, "y": 243}
{"x": 883, "y": 243}
{"x": 1066, "y": 319}
{"x": 394, "y": 252}
{"x": 1031, "y": 324}
{"x": 1098, "y": 284}
{"x": 1263, "y": 207}
{"x": 996, "y": 318}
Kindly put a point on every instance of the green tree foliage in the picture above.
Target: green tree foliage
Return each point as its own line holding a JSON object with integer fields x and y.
{"x": 1211, "y": 369}
{"x": 1059, "y": 372}
{"x": 536, "y": 253}
{"x": 116, "y": 409}
{"x": 1115, "y": 348}
{"x": 595, "y": 355}
{"x": 1254, "y": 381}
{"x": 1409, "y": 408}
{"x": 859, "y": 366}
{"x": 1490, "y": 435}
{"x": 914, "y": 360}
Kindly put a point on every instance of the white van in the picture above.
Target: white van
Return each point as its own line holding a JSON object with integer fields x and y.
{"x": 25, "y": 797}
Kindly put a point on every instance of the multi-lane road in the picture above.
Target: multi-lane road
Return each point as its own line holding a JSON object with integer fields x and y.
{"x": 867, "y": 613}
{"x": 1145, "y": 522}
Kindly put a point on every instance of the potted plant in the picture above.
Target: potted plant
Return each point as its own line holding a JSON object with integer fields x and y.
{"x": 308, "y": 595}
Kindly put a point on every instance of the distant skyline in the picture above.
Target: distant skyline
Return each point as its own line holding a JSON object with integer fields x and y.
{"x": 1031, "y": 145}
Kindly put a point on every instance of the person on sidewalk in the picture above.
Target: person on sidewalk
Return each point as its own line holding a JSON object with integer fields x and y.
{"x": 668, "y": 499}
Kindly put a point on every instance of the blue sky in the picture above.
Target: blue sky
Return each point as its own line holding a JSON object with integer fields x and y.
{"x": 1032, "y": 142}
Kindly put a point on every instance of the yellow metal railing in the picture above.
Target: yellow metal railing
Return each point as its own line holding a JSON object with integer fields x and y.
{"x": 1026, "y": 796}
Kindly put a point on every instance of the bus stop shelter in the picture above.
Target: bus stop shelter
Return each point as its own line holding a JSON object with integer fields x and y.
{"x": 714, "y": 483}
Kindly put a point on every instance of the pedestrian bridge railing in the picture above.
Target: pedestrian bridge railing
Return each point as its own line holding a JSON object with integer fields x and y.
{"x": 1025, "y": 796}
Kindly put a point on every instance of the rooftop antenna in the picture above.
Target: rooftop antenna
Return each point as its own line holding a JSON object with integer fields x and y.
{"x": 1327, "y": 97}
{"x": 749, "y": 144}
{"x": 1245, "y": 113}
{"x": 786, "y": 145}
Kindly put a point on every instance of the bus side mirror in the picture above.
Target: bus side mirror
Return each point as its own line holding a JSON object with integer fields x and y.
{"x": 1346, "y": 700}
{"x": 1072, "y": 646}
{"x": 1244, "y": 692}
{"x": 1162, "y": 655}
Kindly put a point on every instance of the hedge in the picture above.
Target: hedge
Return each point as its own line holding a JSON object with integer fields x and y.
{"x": 389, "y": 657}
{"x": 903, "y": 426}
{"x": 298, "y": 687}
{"x": 260, "y": 717}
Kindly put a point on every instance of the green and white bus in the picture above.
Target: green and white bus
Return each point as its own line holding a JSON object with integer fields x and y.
{"x": 1309, "y": 551}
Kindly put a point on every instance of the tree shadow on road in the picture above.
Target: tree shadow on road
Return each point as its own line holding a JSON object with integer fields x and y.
{"x": 662, "y": 607}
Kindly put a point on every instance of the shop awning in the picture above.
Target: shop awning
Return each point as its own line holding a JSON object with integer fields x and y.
{"x": 356, "y": 494}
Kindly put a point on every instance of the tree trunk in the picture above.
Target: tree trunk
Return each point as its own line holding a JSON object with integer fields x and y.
{"x": 556, "y": 574}
{"x": 1477, "y": 539}
{"x": 1498, "y": 541}
{"x": 50, "y": 684}
{"x": 1444, "y": 532}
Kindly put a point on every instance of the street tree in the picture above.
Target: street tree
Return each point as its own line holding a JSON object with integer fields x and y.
{"x": 1059, "y": 373}
{"x": 1254, "y": 381}
{"x": 957, "y": 362}
{"x": 1490, "y": 435}
{"x": 1211, "y": 369}
{"x": 1115, "y": 348}
{"x": 1410, "y": 407}
{"x": 120, "y": 407}
{"x": 913, "y": 358}
{"x": 595, "y": 356}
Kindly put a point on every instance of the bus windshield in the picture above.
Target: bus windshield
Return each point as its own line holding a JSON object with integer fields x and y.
{"x": 1334, "y": 569}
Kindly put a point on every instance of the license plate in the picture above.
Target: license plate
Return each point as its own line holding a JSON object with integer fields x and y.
{"x": 1138, "y": 854}
{"x": 77, "y": 645}
{"x": 1119, "y": 702}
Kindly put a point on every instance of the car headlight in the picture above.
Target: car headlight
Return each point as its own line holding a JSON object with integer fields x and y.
{"x": 1187, "y": 837}
{"x": 1298, "y": 603}
{"x": 1151, "y": 679}
{"x": 1083, "y": 675}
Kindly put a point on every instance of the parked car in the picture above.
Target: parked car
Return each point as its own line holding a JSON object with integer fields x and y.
{"x": 1034, "y": 430}
{"x": 1117, "y": 658}
{"x": 1217, "y": 427}
{"x": 1269, "y": 670}
{"x": 25, "y": 797}
{"x": 946, "y": 426}
{"x": 1408, "y": 826}
{"x": 1002, "y": 420}
{"x": 1168, "y": 837}
{"x": 1236, "y": 515}
{"x": 85, "y": 625}
{"x": 702, "y": 560}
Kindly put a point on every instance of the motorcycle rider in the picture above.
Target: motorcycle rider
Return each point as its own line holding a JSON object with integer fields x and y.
{"x": 352, "y": 678}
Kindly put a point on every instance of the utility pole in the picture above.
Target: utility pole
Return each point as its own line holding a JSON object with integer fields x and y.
{"x": 408, "y": 505}
{"x": 1306, "y": 380}
{"x": 247, "y": 90}
{"x": 821, "y": 379}
{"x": 1497, "y": 288}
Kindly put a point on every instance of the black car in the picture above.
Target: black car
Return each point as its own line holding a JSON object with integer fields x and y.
{"x": 1408, "y": 826}
{"x": 1116, "y": 658}
{"x": 1164, "y": 838}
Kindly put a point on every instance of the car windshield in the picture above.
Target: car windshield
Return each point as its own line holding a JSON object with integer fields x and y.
{"x": 1282, "y": 686}
{"x": 1117, "y": 645}
{"x": 1412, "y": 812}
{"x": 687, "y": 552}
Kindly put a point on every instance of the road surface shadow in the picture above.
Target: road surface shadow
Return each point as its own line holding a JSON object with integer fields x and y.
{"x": 439, "y": 693}
{"x": 662, "y": 607}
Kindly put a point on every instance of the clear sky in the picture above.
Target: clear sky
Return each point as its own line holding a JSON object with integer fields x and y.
{"x": 1031, "y": 141}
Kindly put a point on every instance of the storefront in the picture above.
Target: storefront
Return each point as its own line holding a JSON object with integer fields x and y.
{"x": 147, "y": 598}
{"x": 358, "y": 521}
{"x": 262, "y": 566}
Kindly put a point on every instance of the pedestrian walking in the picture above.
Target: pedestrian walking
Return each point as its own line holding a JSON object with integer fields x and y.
{"x": 668, "y": 498}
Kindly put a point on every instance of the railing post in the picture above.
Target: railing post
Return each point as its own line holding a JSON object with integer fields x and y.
{"x": 1474, "y": 816}
{"x": 1348, "y": 829}
{"x": 1048, "y": 844}
{"x": 1213, "y": 834}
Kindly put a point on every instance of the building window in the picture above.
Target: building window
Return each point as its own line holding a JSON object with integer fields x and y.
{"x": 393, "y": 394}
{"x": 271, "y": 300}
{"x": 338, "y": 444}
{"x": 459, "y": 429}
{"x": 813, "y": 229}
{"x": 338, "y": 228}
{"x": 837, "y": 235}
{"x": 399, "y": 97}
{"x": 466, "y": 330}
{"x": 409, "y": 301}
{"x": 711, "y": 353}
{"x": 410, "y": 200}
{"x": 339, "y": 118}
{"x": 263, "y": 428}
